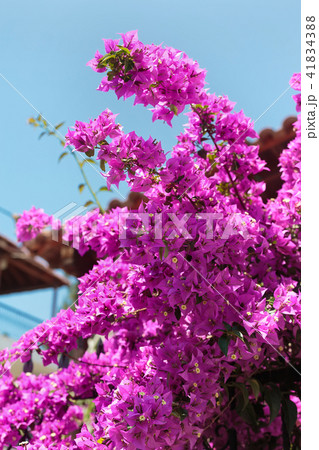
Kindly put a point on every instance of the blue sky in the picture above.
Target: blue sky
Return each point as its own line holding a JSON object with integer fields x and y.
{"x": 249, "y": 49}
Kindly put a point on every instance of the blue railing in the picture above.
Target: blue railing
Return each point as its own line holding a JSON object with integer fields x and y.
{"x": 15, "y": 322}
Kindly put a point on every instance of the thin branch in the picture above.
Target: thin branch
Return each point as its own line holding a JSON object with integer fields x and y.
{"x": 55, "y": 134}
{"x": 86, "y": 180}
{"x": 227, "y": 170}
{"x": 192, "y": 201}
{"x": 125, "y": 316}
{"x": 235, "y": 188}
{"x": 116, "y": 366}
{"x": 228, "y": 173}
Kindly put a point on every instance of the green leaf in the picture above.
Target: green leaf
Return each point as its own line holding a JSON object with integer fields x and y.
{"x": 166, "y": 252}
{"x": 161, "y": 252}
{"x": 225, "y": 391}
{"x": 174, "y": 109}
{"x": 110, "y": 76}
{"x": 88, "y": 203}
{"x": 100, "y": 441}
{"x": 59, "y": 125}
{"x": 87, "y": 160}
{"x": 198, "y": 299}
{"x": 248, "y": 345}
{"x": 178, "y": 313}
{"x": 245, "y": 395}
{"x": 237, "y": 333}
{"x": 129, "y": 65}
{"x": 223, "y": 343}
{"x": 62, "y": 156}
{"x": 249, "y": 415}
{"x": 102, "y": 165}
{"x": 272, "y": 396}
{"x": 90, "y": 152}
{"x": 254, "y": 387}
{"x": 104, "y": 189}
{"x": 81, "y": 187}
{"x": 224, "y": 188}
{"x": 32, "y": 121}
{"x": 235, "y": 165}
{"x": 105, "y": 60}
{"x": 180, "y": 413}
{"x": 126, "y": 50}
{"x": 153, "y": 85}
{"x": 227, "y": 326}
{"x": 42, "y": 134}
{"x": 289, "y": 410}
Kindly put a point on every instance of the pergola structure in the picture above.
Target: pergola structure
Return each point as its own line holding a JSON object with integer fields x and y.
{"x": 20, "y": 271}
{"x": 62, "y": 256}
{"x": 271, "y": 144}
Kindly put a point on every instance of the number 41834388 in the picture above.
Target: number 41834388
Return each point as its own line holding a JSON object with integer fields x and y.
{"x": 310, "y": 51}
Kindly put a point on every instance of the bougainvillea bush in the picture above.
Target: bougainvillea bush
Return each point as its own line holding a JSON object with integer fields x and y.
{"x": 194, "y": 302}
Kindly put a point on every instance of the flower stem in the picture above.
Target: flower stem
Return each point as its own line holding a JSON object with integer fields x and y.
{"x": 228, "y": 173}
{"x": 43, "y": 124}
{"x": 87, "y": 181}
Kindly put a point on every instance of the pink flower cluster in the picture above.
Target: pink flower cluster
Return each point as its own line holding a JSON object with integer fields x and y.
{"x": 132, "y": 154}
{"x": 86, "y": 136}
{"x": 194, "y": 329}
{"x": 164, "y": 78}
{"x": 46, "y": 408}
{"x": 31, "y": 223}
{"x": 126, "y": 153}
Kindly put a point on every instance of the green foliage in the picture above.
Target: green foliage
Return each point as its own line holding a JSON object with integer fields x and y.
{"x": 62, "y": 156}
{"x": 255, "y": 387}
{"x": 272, "y": 397}
{"x": 115, "y": 61}
{"x": 49, "y": 130}
{"x": 289, "y": 410}
{"x": 223, "y": 343}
